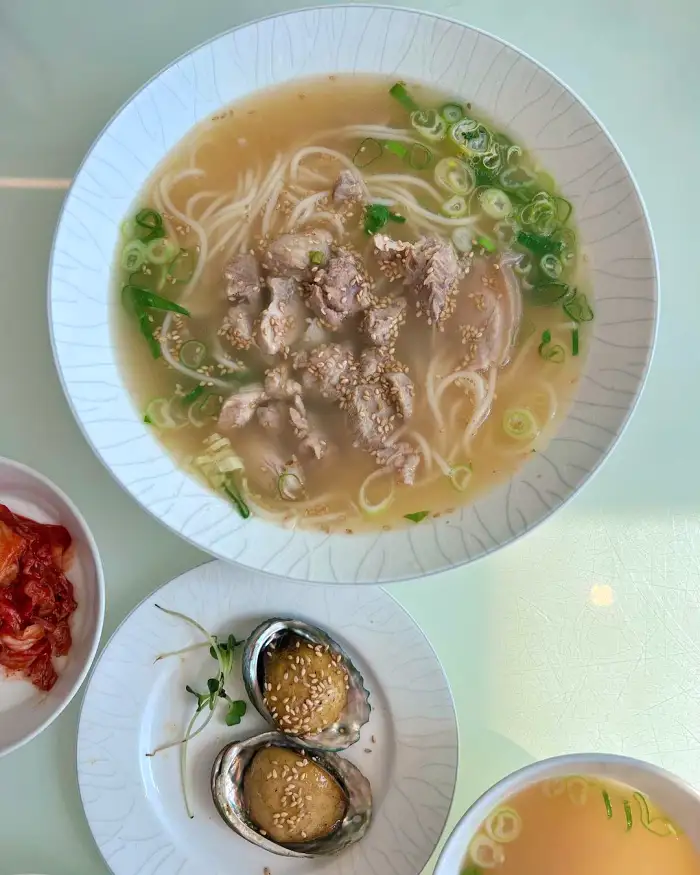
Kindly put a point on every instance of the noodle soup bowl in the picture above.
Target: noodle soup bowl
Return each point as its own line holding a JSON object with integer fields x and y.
{"x": 678, "y": 800}
{"x": 507, "y": 87}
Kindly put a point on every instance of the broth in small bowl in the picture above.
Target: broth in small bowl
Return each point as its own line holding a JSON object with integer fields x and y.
{"x": 364, "y": 316}
{"x": 579, "y": 814}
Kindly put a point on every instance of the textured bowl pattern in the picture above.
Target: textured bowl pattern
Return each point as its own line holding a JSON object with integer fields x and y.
{"x": 519, "y": 95}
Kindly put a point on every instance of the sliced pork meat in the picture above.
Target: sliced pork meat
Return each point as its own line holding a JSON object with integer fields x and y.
{"x": 314, "y": 446}
{"x": 401, "y": 392}
{"x": 328, "y": 370}
{"x": 290, "y": 254}
{"x": 347, "y": 187}
{"x": 374, "y": 409}
{"x": 238, "y": 410}
{"x": 242, "y": 276}
{"x": 382, "y": 324}
{"x": 282, "y": 321}
{"x": 279, "y": 385}
{"x": 487, "y": 314}
{"x": 429, "y": 266}
{"x": 373, "y": 363}
{"x": 272, "y": 416}
{"x": 403, "y": 458}
{"x": 316, "y": 334}
{"x": 238, "y": 326}
{"x": 339, "y": 288}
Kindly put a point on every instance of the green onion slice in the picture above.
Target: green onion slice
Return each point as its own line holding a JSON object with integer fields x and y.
{"x": 553, "y": 353}
{"x": 235, "y": 496}
{"x": 462, "y": 239}
{"x": 151, "y": 222}
{"x": 161, "y": 251}
{"x": 367, "y": 152}
{"x": 396, "y": 148}
{"x": 159, "y": 414}
{"x": 417, "y": 517}
{"x": 539, "y": 244}
{"x": 376, "y": 216}
{"x": 398, "y": 92}
{"x": 628, "y": 815}
{"x": 579, "y": 309}
{"x": 503, "y": 825}
{"x": 419, "y": 156}
{"x": 454, "y": 176}
{"x": 496, "y": 203}
{"x": 547, "y": 293}
{"x": 471, "y": 137}
{"x": 203, "y": 409}
{"x": 193, "y": 353}
{"x": 316, "y": 256}
{"x": 486, "y": 243}
{"x": 149, "y": 300}
{"x": 460, "y": 477}
{"x": 429, "y": 124}
{"x": 608, "y": 804}
{"x": 551, "y": 266}
{"x": 660, "y": 826}
{"x": 574, "y": 341}
{"x": 520, "y": 424}
{"x": 455, "y": 207}
{"x": 395, "y": 217}
{"x": 452, "y": 113}
{"x": 288, "y": 484}
{"x": 133, "y": 255}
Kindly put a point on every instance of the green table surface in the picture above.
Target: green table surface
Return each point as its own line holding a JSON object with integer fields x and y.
{"x": 585, "y": 635}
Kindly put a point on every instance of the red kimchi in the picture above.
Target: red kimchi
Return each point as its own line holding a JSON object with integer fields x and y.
{"x": 36, "y": 597}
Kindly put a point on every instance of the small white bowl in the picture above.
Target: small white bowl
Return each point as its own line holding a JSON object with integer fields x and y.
{"x": 24, "y": 710}
{"x": 678, "y": 800}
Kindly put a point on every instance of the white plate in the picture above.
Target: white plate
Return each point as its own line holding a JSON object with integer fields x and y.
{"x": 510, "y": 88}
{"x": 26, "y": 711}
{"x": 134, "y": 804}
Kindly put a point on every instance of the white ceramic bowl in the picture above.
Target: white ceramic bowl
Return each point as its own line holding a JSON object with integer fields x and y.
{"x": 679, "y": 801}
{"x": 518, "y": 94}
{"x": 24, "y": 710}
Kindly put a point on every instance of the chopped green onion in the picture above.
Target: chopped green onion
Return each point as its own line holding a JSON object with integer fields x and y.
{"x": 455, "y": 207}
{"x": 460, "y": 476}
{"x": 574, "y": 341}
{"x": 181, "y": 268}
{"x": 520, "y": 424}
{"x": 146, "y": 327}
{"x": 628, "y": 815}
{"x": 232, "y": 492}
{"x": 551, "y": 266}
{"x": 486, "y": 243}
{"x": 539, "y": 244}
{"x": 496, "y": 203}
{"x": 452, "y": 113}
{"x": 149, "y": 300}
{"x": 666, "y": 828}
{"x": 546, "y": 336}
{"x": 517, "y": 178}
{"x": 578, "y": 308}
{"x": 152, "y": 222}
{"x": 429, "y": 124}
{"x": 564, "y": 209}
{"x": 159, "y": 414}
{"x": 193, "y": 353}
{"x": 608, "y": 804}
{"x": 547, "y": 293}
{"x": 395, "y": 217}
{"x": 398, "y": 92}
{"x": 553, "y": 353}
{"x": 396, "y": 148}
{"x": 376, "y": 216}
{"x": 316, "y": 256}
{"x": 287, "y": 492}
{"x": 419, "y": 156}
{"x": 203, "y": 409}
{"x": 367, "y": 152}
{"x": 151, "y": 277}
{"x": 416, "y": 517}
{"x": 454, "y": 176}
{"x": 482, "y": 176}
{"x": 133, "y": 255}
{"x": 541, "y": 214}
{"x": 462, "y": 239}
{"x": 161, "y": 251}
{"x": 192, "y": 395}
{"x": 471, "y": 137}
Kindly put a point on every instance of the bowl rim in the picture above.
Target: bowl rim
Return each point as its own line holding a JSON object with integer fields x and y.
{"x": 460, "y": 836}
{"x": 96, "y": 633}
{"x": 590, "y": 472}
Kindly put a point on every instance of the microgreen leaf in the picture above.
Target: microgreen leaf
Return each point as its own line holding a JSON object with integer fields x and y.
{"x": 236, "y": 712}
{"x": 418, "y": 516}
